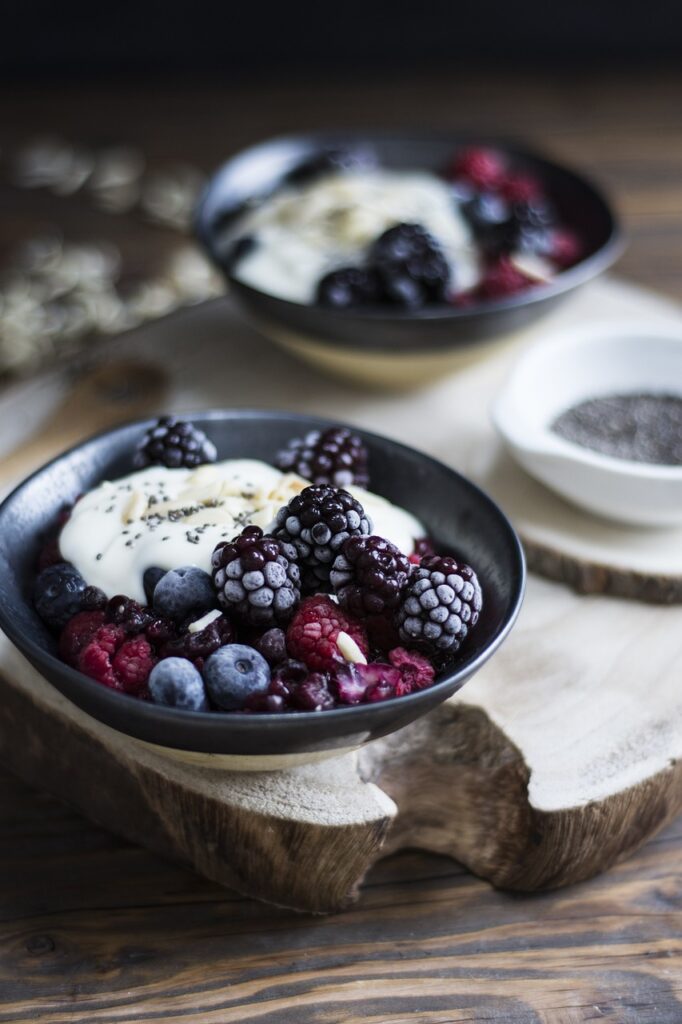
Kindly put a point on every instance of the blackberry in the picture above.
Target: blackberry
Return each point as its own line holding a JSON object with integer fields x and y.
{"x": 257, "y": 578}
{"x": 369, "y": 576}
{"x": 349, "y": 286}
{"x": 335, "y": 456}
{"x": 440, "y": 605}
{"x": 174, "y": 443}
{"x": 411, "y": 266}
{"x": 318, "y": 522}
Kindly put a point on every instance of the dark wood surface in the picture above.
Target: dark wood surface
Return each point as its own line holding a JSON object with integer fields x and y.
{"x": 96, "y": 930}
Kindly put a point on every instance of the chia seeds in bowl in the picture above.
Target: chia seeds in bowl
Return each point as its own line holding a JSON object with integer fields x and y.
{"x": 639, "y": 427}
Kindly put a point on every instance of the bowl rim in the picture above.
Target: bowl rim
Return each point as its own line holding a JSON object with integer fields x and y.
{"x": 297, "y": 721}
{"x": 582, "y": 271}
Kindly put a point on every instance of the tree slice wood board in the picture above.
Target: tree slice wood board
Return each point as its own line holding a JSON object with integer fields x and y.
{"x": 560, "y": 757}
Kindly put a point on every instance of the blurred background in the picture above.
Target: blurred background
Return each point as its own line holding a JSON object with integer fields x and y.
{"x": 113, "y": 116}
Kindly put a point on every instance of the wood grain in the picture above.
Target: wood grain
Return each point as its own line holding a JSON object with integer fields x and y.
{"x": 95, "y": 930}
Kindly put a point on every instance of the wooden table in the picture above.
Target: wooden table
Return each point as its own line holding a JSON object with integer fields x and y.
{"x": 94, "y": 929}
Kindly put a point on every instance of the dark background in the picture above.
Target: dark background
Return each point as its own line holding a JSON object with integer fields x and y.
{"x": 47, "y": 38}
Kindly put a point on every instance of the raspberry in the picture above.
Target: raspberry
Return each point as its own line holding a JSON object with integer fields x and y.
{"x": 95, "y": 659}
{"x": 369, "y": 575}
{"x": 355, "y": 684}
{"x": 520, "y": 188}
{"x": 565, "y": 248}
{"x": 484, "y": 168}
{"x": 441, "y": 604}
{"x": 336, "y": 456}
{"x": 502, "y": 278}
{"x": 313, "y": 632}
{"x": 132, "y": 664}
{"x": 416, "y": 671}
{"x": 77, "y": 634}
{"x": 174, "y": 443}
{"x": 257, "y": 578}
{"x": 318, "y": 522}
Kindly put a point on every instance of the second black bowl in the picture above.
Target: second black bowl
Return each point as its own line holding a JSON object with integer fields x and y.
{"x": 382, "y": 345}
{"x": 459, "y": 515}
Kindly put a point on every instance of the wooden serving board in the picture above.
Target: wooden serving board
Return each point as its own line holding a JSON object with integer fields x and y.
{"x": 560, "y": 757}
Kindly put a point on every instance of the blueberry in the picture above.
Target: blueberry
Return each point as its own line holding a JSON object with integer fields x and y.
{"x": 235, "y": 673}
{"x": 58, "y": 594}
{"x": 183, "y": 592}
{"x": 176, "y": 683}
{"x": 150, "y": 579}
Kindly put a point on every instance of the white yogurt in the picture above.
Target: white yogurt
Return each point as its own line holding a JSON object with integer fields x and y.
{"x": 174, "y": 517}
{"x": 304, "y": 233}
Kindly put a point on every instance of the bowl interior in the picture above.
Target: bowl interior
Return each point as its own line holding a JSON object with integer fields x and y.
{"x": 456, "y": 512}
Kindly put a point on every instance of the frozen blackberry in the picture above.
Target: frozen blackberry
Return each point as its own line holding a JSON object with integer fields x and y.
{"x": 411, "y": 266}
{"x": 257, "y": 578}
{"x": 174, "y": 443}
{"x": 334, "y": 456}
{"x": 440, "y": 605}
{"x": 318, "y": 522}
{"x": 369, "y": 576}
{"x": 349, "y": 286}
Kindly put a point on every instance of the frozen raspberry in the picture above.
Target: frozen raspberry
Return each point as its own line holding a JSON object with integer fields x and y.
{"x": 132, "y": 664}
{"x": 520, "y": 188}
{"x": 565, "y": 248}
{"x": 336, "y": 456}
{"x": 77, "y": 634}
{"x": 313, "y": 632}
{"x": 502, "y": 279}
{"x": 95, "y": 660}
{"x": 416, "y": 671}
{"x": 354, "y": 684}
{"x": 484, "y": 168}
{"x": 369, "y": 575}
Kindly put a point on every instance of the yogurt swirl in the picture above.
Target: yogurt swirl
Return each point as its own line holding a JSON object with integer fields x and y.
{"x": 174, "y": 517}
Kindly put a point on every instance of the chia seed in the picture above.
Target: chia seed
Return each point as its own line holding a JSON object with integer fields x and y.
{"x": 640, "y": 427}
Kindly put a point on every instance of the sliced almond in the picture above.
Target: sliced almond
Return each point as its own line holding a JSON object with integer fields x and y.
{"x": 135, "y": 507}
{"x": 349, "y": 649}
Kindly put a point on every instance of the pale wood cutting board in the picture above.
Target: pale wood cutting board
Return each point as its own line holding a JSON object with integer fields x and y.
{"x": 561, "y": 756}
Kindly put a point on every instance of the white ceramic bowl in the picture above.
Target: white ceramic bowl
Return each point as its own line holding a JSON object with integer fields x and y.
{"x": 582, "y": 363}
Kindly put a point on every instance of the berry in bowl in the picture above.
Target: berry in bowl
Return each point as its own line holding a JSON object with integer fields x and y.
{"x": 392, "y": 259}
{"x": 263, "y": 587}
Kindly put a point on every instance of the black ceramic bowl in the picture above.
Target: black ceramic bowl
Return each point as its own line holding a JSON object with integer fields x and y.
{"x": 455, "y": 511}
{"x": 388, "y": 346}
